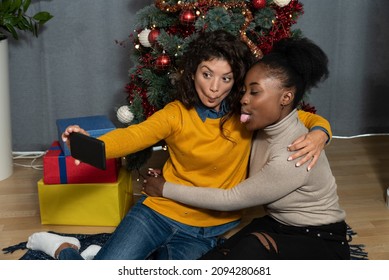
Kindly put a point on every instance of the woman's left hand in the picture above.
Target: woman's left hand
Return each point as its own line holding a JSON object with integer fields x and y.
{"x": 308, "y": 147}
{"x": 153, "y": 185}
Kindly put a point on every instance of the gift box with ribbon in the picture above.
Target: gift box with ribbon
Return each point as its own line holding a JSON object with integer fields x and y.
{"x": 61, "y": 169}
{"x": 94, "y": 125}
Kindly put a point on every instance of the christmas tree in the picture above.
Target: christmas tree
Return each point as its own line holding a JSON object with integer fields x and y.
{"x": 163, "y": 32}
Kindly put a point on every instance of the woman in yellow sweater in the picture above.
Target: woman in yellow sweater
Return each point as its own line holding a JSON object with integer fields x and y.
{"x": 208, "y": 146}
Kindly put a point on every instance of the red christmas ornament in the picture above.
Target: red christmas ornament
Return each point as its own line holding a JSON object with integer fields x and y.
{"x": 153, "y": 36}
{"x": 187, "y": 17}
{"x": 258, "y": 4}
{"x": 162, "y": 62}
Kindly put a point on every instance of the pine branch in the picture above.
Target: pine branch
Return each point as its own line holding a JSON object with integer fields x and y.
{"x": 152, "y": 16}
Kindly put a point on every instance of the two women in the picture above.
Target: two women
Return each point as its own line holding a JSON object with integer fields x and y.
{"x": 303, "y": 218}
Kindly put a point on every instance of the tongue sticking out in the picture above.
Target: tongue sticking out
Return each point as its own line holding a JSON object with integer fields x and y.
{"x": 244, "y": 118}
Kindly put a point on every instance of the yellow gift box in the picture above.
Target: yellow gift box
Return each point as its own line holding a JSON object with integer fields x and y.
{"x": 102, "y": 204}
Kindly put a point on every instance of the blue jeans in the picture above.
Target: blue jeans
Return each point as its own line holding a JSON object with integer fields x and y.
{"x": 146, "y": 234}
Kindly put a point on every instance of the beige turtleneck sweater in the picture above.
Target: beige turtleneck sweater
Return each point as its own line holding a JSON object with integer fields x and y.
{"x": 291, "y": 195}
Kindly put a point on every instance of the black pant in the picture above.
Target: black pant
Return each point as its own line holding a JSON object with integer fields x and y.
{"x": 292, "y": 243}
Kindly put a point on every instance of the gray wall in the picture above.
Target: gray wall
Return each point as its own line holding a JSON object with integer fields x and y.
{"x": 355, "y": 36}
{"x": 75, "y": 68}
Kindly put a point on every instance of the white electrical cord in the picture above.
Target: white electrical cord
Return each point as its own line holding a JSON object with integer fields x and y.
{"x": 361, "y": 135}
{"x": 33, "y": 155}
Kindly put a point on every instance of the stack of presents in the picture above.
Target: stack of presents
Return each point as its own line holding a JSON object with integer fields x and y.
{"x": 71, "y": 194}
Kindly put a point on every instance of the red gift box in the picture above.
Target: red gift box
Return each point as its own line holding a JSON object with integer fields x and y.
{"x": 61, "y": 169}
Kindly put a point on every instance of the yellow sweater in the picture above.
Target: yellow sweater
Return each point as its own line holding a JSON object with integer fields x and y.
{"x": 199, "y": 156}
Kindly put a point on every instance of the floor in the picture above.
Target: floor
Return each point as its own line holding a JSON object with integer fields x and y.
{"x": 360, "y": 166}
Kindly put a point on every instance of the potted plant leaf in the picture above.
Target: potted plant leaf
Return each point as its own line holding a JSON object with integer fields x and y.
{"x": 13, "y": 19}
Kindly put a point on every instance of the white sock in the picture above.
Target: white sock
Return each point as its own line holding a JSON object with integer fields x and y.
{"x": 49, "y": 242}
{"x": 90, "y": 252}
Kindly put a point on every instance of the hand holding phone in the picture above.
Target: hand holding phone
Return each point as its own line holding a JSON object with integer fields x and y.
{"x": 88, "y": 150}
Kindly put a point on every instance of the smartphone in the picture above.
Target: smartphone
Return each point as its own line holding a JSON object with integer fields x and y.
{"x": 88, "y": 150}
